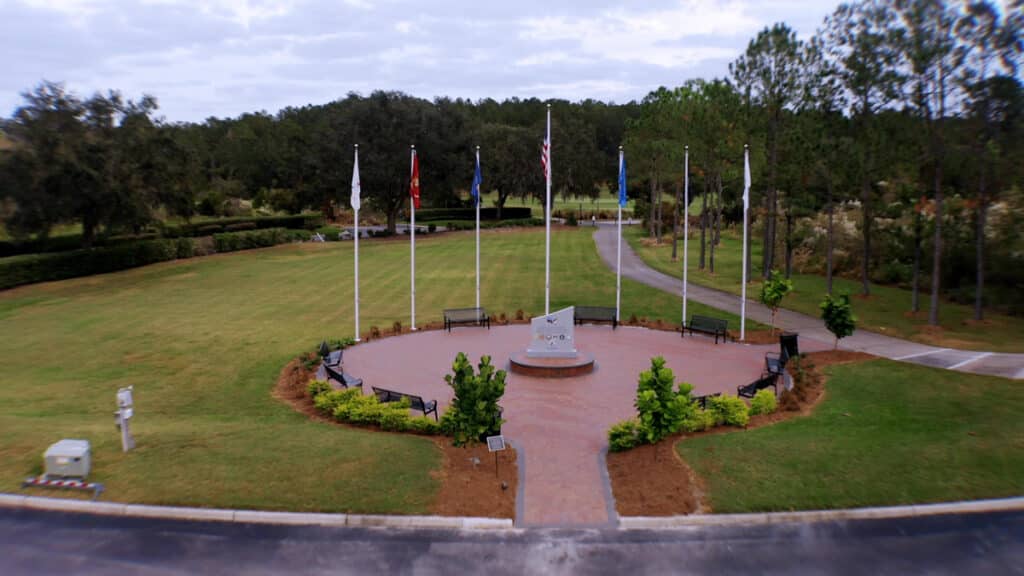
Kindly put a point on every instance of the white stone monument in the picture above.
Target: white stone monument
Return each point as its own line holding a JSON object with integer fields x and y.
{"x": 552, "y": 336}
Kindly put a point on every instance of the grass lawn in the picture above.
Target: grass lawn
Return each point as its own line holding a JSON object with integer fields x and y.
{"x": 887, "y": 433}
{"x": 885, "y": 311}
{"x": 203, "y": 341}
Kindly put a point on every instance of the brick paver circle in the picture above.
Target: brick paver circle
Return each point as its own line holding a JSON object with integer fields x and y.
{"x": 559, "y": 425}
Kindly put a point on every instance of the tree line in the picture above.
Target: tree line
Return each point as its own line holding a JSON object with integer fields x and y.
{"x": 904, "y": 114}
{"x": 892, "y": 108}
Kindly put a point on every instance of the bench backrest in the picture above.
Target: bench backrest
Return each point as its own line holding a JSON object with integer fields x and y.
{"x": 699, "y": 321}
{"x": 789, "y": 345}
{"x": 599, "y": 312}
{"x": 384, "y": 395}
{"x": 334, "y": 374}
{"x": 463, "y": 314}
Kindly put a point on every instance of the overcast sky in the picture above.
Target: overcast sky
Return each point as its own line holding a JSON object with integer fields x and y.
{"x": 226, "y": 57}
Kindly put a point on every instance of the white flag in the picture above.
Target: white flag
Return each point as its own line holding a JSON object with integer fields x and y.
{"x": 355, "y": 184}
{"x": 746, "y": 180}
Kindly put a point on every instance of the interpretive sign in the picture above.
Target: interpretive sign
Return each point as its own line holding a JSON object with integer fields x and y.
{"x": 495, "y": 443}
{"x": 552, "y": 336}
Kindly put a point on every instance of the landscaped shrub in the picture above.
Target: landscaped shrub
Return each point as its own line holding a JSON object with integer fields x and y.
{"x": 661, "y": 406}
{"x": 699, "y": 420}
{"x": 729, "y": 410}
{"x": 424, "y": 425}
{"x": 328, "y": 402}
{"x": 474, "y": 412}
{"x": 624, "y": 435}
{"x": 318, "y": 387}
{"x": 439, "y": 214}
{"x": 764, "y": 402}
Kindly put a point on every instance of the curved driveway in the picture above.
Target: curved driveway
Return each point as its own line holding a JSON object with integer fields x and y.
{"x": 1007, "y": 365}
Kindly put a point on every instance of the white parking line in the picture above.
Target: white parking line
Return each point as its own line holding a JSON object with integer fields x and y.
{"x": 969, "y": 360}
{"x": 909, "y": 356}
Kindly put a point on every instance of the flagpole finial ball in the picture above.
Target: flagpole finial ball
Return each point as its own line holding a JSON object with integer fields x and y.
{"x": 746, "y": 146}
{"x": 687, "y": 147}
{"x": 549, "y": 105}
{"x": 620, "y": 148}
{"x": 413, "y": 146}
{"x": 357, "y": 145}
{"x": 477, "y": 148}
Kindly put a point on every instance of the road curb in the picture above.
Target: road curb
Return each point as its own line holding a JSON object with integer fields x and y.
{"x": 253, "y": 516}
{"x": 694, "y": 520}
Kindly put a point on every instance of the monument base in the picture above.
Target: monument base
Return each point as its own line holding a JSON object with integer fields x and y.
{"x": 527, "y": 365}
{"x": 569, "y": 354}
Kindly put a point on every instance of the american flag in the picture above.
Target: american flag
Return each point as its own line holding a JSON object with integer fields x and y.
{"x": 545, "y": 157}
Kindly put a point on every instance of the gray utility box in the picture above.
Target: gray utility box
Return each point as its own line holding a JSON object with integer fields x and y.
{"x": 68, "y": 458}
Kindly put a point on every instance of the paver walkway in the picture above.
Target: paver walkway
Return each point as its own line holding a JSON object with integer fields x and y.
{"x": 999, "y": 364}
{"x": 559, "y": 426}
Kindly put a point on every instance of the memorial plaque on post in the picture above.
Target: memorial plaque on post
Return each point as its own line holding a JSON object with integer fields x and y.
{"x": 552, "y": 336}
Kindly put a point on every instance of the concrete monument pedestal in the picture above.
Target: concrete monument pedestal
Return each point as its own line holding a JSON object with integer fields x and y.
{"x": 552, "y": 351}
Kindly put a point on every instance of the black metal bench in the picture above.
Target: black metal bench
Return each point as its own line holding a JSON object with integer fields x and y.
{"x": 761, "y": 383}
{"x": 788, "y": 348}
{"x": 583, "y": 314}
{"x": 708, "y": 325}
{"x": 703, "y": 400}
{"x": 466, "y": 317}
{"x": 415, "y": 402}
{"x": 330, "y": 358}
{"x": 339, "y": 376}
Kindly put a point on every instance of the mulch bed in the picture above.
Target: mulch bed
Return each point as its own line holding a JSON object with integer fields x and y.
{"x": 468, "y": 488}
{"x": 652, "y": 480}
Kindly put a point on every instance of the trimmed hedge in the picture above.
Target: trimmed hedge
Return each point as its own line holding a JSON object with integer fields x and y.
{"x": 74, "y": 241}
{"x": 438, "y": 214}
{"x": 32, "y": 268}
{"x": 462, "y": 225}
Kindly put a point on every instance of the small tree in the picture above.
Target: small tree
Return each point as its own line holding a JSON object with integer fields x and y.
{"x": 662, "y": 407}
{"x": 838, "y": 316}
{"x": 474, "y": 410}
{"x": 773, "y": 291}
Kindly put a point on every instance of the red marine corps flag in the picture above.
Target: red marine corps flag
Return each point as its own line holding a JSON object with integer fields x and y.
{"x": 414, "y": 203}
{"x": 414, "y": 181}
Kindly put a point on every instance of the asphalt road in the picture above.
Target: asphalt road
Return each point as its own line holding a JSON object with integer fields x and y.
{"x": 37, "y": 542}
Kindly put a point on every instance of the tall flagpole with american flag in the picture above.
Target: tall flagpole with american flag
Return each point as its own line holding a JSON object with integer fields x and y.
{"x": 355, "y": 201}
{"x": 545, "y": 159}
{"x": 474, "y": 191}
{"x": 414, "y": 203}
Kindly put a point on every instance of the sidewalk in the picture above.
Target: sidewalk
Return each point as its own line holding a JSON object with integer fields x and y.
{"x": 997, "y": 364}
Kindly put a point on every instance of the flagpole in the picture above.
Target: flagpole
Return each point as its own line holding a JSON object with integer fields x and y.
{"x": 357, "y": 244}
{"x": 618, "y": 253}
{"x": 746, "y": 205}
{"x": 478, "y": 193}
{"x": 686, "y": 224}
{"x": 412, "y": 239}
{"x": 547, "y": 223}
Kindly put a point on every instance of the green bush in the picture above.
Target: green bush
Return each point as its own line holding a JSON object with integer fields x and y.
{"x": 424, "y": 425}
{"x": 318, "y": 387}
{"x": 439, "y": 214}
{"x": 474, "y": 412}
{"x": 328, "y": 402}
{"x": 661, "y": 406}
{"x": 395, "y": 420}
{"x": 764, "y": 402}
{"x": 624, "y": 435}
{"x": 729, "y": 410}
{"x": 34, "y": 268}
{"x": 698, "y": 420}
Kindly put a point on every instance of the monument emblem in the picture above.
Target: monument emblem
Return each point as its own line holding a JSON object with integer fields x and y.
{"x": 552, "y": 336}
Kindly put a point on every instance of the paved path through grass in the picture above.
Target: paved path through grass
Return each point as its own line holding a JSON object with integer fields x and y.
{"x": 1008, "y": 365}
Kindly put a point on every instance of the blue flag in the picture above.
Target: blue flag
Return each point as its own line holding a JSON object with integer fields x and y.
{"x": 622, "y": 181}
{"x": 474, "y": 191}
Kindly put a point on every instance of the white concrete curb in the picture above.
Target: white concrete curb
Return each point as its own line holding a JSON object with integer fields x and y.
{"x": 254, "y": 516}
{"x": 970, "y": 507}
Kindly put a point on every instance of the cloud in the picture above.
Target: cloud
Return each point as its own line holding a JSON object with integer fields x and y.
{"x": 655, "y": 37}
{"x": 227, "y": 57}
